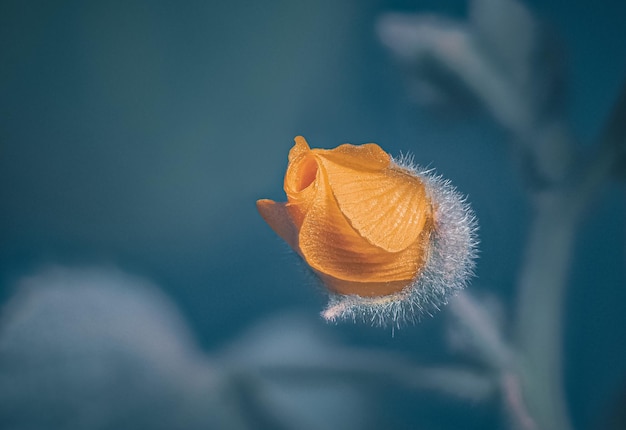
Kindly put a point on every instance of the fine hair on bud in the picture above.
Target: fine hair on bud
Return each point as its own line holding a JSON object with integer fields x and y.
{"x": 453, "y": 248}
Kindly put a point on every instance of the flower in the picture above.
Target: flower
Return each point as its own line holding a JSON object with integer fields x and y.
{"x": 370, "y": 229}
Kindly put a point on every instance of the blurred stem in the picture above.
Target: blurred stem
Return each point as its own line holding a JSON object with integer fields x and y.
{"x": 383, "y": 369}
{"x": 541, "y": 289}
{"x": 516, "y": 406}
{"x": 544, "y": 274}
{"x": 484, "y": 332}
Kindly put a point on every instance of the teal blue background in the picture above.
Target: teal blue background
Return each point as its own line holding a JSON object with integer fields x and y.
{"x": 140, "y": 134}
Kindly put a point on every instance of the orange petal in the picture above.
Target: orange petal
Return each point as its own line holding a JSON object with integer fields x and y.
{"x": 301, "y": 185}
{"x": 301, "y": 146}
{"x": 363, "y": 289}
{"x": 362, "y": 157}
{"x": 277, "y": 216}
{"x": 388, "y": 206}
{"x": 331, "y": 246}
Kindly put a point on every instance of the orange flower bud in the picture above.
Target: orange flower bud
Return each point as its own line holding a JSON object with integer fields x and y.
{"x": 369, "y": 228}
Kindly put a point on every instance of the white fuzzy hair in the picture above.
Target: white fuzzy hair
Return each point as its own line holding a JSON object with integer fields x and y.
{"x": 449, "y": 265}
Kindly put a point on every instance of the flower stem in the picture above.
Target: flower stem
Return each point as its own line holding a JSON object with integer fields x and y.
{"x": 544, "y": 275}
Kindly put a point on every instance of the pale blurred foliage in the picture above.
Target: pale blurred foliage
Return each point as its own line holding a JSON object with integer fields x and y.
{"x": 99, "y": 349}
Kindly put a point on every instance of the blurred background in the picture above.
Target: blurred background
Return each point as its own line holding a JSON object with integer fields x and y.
{"x": 135, "y": 138}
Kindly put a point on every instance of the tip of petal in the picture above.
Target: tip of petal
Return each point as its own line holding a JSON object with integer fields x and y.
{"x": 300, "y": 147}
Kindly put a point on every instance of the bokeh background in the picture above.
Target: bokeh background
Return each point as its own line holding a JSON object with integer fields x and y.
{"x": 136, "y": 137}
